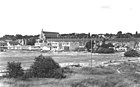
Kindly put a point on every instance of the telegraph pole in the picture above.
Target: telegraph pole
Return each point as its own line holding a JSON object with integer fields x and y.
{"x": 91, "y": 52}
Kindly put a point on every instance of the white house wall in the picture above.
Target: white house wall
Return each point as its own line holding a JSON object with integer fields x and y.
{"x": 62, "y": 45}
{"x": 74, "y": 45}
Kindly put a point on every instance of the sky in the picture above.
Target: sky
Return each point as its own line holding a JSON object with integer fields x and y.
{"x": 29, "y": 17}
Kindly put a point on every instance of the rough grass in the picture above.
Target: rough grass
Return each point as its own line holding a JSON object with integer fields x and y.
{"x": 27, "y": 57}
{"x": 109, "y": 77}
{"x": 84, "y": 77}
{"x": 98, "y": 70}
{"x": 75, "y": 80}
{"x": 81, "y": 77}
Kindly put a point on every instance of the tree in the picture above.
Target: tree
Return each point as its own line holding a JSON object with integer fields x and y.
{"x": 128, "y": 35}
{"x": 136, "y": 34}
{"x": 132, "y": 53}
{"x": 107, "y": 45}
{"x": 11, "y": 37}
{"x": 31, "y": 41}
{"x": 45, "y": 67}
{"x": 88, "y": 45}
{"x": 14, "y": 69}
{"x": 108, "y": 35}
{"x": 119, "y": 34}
{"x": 94, "y": 35}
{"x": 18, "y": 36}
{"x": 88, "y": 35}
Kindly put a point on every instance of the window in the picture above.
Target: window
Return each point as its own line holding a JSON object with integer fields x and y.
{"x": 65, "y": 43}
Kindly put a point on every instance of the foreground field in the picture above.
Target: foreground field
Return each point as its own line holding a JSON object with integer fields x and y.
{"x": 74, "y": 79}
{"x": 27, "y": 57}
{"x": 128, "y": 76}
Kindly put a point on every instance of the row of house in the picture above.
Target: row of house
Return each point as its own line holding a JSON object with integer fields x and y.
{"x": 63, "y": 44}
{"x": 50, "y": 41}
{"x": 125, "y": 43}
{"x": 14, "y": 45}
{"x": 56, "y": 43}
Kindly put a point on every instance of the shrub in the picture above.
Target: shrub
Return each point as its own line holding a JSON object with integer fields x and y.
{"x": 131, "y": 53}
{"x": 88, "y": 45}
{"x": 55, "y": 73}
{"x": 107, "y": 45}
{"x": 79, "y": 49}
{"x": 67, "y": 70}
{"x": 45, "y": 67}
{"x": 14, "y": 70}
{"x": 105, "y": 50}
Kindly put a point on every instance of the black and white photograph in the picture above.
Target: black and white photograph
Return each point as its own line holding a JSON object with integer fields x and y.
{"x": 69, "y": 43}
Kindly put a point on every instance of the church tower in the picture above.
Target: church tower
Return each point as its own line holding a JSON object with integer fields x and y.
{"x": 42, "y": 36}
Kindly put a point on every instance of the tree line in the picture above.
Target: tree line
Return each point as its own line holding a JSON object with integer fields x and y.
{"x": 119, "y": 34}
{"x": 18, "y": 36}
{"x": 30, "y": 39}
{"x": 127, "y": 35}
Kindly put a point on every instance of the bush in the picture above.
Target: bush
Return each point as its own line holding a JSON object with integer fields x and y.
{"x": 131, "y": 53}
{"x": 79, "y": 49}
{"x": 105, "y": 50}
{"x": 107, "y": 45}
{"x": 14, "y": 70}
{"x": 88, "y": 45}
{"x": 45, "y": 67}
{"x": 55, "y": 73}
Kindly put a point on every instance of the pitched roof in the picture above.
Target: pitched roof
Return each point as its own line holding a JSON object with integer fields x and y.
{"x": 72, "y": 40}
{"x": 50, "y": 32}
{"x": 63, "y": 40}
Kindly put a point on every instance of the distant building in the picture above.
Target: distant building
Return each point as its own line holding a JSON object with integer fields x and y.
{"x": 46, "y": 35}
{"x": 119, "y": 43}
{"x": 22, "y": 41}
{"x": 42, "y": 41}
{"x": 3, "y": 45}
{"x": 66, "y": 44}
{"x": 50, "y": 40}
{"x": 13, "y": 45}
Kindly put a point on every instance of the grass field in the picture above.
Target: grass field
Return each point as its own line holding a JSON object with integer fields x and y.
{"x": 27, "y": 58}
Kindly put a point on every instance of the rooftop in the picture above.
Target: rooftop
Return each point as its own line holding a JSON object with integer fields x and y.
{"x": 46, "y": 32}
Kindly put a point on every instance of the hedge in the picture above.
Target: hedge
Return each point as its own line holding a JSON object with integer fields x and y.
{"x": 105, "y": 50}
{"x": 131, "y": 53}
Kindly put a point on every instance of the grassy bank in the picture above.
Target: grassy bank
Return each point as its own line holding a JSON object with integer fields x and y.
{"x": 125, "y": 74}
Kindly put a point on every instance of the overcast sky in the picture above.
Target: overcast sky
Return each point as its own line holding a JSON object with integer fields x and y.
{"x": 67, "y": 16}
